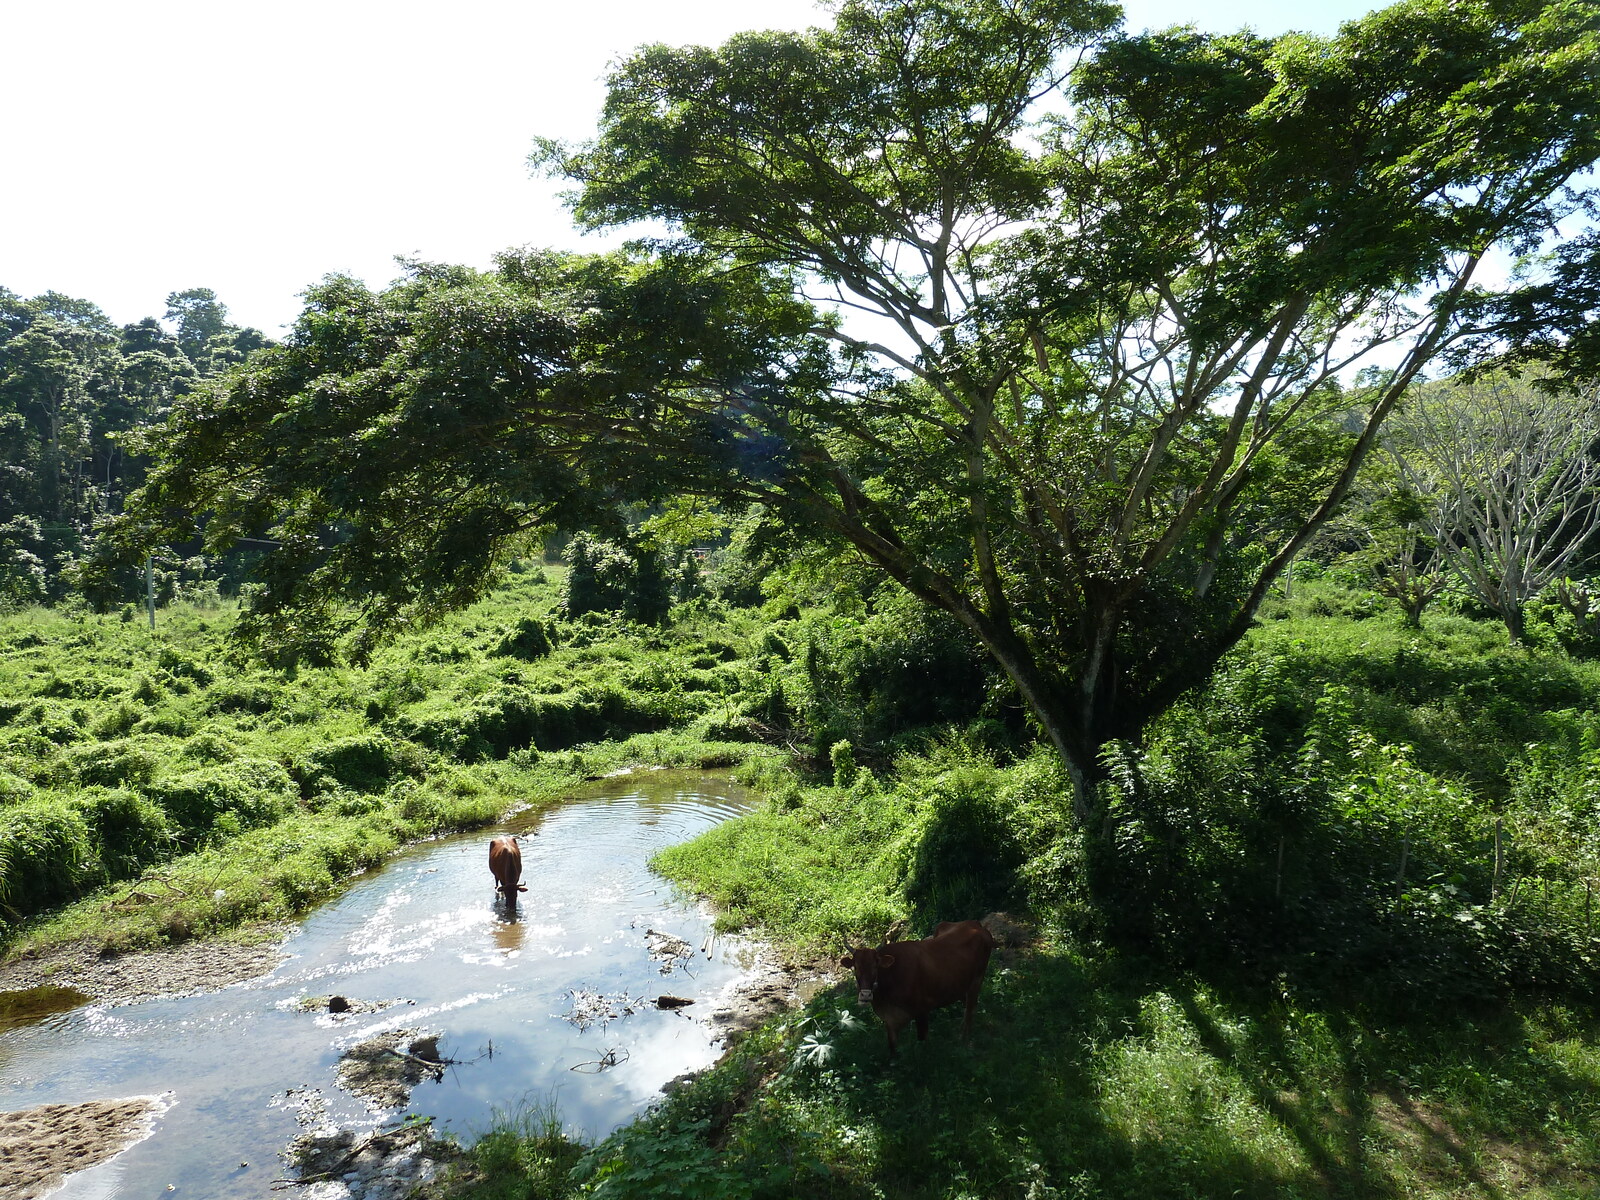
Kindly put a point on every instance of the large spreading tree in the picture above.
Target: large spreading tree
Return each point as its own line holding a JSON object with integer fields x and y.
{"x": 1046, "y": 322}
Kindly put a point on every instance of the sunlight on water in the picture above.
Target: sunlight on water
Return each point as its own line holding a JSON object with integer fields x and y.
{"x": 422, "y": 944}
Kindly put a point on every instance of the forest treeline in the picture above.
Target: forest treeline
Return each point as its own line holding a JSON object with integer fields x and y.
{"x": 71, "y": 381}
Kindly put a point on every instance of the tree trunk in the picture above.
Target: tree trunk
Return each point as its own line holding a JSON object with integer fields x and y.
{"x": 1516, "y": 625}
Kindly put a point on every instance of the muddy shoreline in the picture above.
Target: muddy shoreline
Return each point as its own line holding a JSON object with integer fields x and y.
{"x": 185, "y": 970}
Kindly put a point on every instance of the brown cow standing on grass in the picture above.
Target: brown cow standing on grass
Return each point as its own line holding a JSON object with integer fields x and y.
{"x": 505, "y": 864}
{"x": 905, "y": 981}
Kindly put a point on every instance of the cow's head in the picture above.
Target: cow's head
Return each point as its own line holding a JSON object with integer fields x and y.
{"x": 867, "y": 963}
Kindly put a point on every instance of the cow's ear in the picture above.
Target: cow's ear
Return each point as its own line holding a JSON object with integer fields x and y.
{"x": 886, "y": 960}
{"x": 849, "y": 960}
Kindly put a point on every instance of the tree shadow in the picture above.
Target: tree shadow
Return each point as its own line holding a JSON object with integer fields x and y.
{"x": 1463, "y": 1100}
{"x": 1111, "y": 1079}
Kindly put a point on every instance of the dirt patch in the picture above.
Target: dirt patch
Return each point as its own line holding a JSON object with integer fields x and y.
{"x": 193, "y": 967}
{"x": 39, "y": 1147}
{"x": 382, "y": 1070}
{"x": 1009, "y": 932}
{"x": 771, "y": 988}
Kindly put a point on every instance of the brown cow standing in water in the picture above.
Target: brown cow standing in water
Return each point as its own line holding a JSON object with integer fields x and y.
{"x": 905, "y": 981}
{"x": 505, "y": 864}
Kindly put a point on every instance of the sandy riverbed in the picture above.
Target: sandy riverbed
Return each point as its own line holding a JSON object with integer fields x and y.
{"x": 40, "y": 1147}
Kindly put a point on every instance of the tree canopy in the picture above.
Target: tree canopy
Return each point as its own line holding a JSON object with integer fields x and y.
{"x": 1045, "y": 321}
{"x": 70, "y": 382}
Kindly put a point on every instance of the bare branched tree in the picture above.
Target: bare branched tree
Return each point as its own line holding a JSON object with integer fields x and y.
{"x": 1509, "y": 473}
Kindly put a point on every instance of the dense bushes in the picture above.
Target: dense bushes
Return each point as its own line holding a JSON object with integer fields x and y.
{"x": 246, "y": 793}
{"x": 633, "y": 580}
{"x": 1325, "y": 855}
{"x": 365, "y": 763}
{"x": 47, "y": 855}
{"x": 514, "y": 718}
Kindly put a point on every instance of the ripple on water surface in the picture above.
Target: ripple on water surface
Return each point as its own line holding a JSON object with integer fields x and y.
{"x": 422, "y": 944}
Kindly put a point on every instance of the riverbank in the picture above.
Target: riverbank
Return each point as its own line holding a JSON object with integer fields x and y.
{"x": 40, "y": 1147}
{"x": 199, "y": 966}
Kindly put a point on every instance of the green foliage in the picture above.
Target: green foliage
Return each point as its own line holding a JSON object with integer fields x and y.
{"x": 966, "y": 854}
{"x": 606, "y": 577}
{"x": 514, "y": 718}
{"x": 364, "y": 763}
{"x": 71, "y": 382}
{"x": 1299, "y": 844}
{"x": 111, "y": 763}
{"x": 524, "y": 1156}
{"x": 412, "y": 552}
{"x": 153, "y": 759}
{"x": 877, "y": 678}
{"x": 129, "y": 830}
{"x": 244, "y": 793}
{"x": 49, "y": 855}
{"x": 1566, "y": 616}
{"x": 670, "y": 1160}
{"x": 528, "y": 641}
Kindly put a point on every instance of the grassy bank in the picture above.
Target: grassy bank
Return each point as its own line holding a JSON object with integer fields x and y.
{"x": 155, "y": 787}
{"x": 1305, "y": 978}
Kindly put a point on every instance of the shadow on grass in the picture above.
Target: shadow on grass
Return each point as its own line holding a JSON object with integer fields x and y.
{"x": 1118, "y": 1083}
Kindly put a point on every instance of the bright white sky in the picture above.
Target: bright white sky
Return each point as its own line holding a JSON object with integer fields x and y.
{"x": 254, "y": 147}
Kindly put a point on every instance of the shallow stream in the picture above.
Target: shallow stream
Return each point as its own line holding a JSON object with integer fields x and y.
{"x": 554, "y": 1006}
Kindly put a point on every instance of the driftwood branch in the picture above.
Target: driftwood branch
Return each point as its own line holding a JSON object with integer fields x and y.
{"x": 355, "y": 1150}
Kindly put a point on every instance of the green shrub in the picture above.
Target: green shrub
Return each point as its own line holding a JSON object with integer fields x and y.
{"x": 515, "y": 718}
{"x": 59, "y": 723}
{"x": 1338, "y": 863}
{"x": 15, "y": 789}
{"x": 726, "y": 725}
{"x": 240, "y": 696}
{"x": 255, "y": 791}
{"x": 525, "y": 1154}
{"x": 528, "y": 641}
{"x": 209, "y": 748}
{"x": 962, "y": 851}
{"x": 182, "y": 666}
{"x": 109, "y": 764}
{"x": 366, "y": 763}
{"x": 130, "y": 829}
{"x": 607, "y": 577}
{"x": 49, "y": 855}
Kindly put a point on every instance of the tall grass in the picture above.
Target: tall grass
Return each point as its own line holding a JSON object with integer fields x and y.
{"x": 142, "y": 773}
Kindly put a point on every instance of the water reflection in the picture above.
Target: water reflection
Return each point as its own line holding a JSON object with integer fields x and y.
{"x": 33, "y": 1005}
{"x": 508, "y": 933}
{"x": 420, "y": 945}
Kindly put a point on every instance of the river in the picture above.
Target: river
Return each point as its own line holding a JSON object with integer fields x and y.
{"x": 553, "y": 1006}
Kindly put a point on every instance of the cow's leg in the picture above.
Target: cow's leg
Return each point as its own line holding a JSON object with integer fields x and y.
{"x": 972, "y": 1007}
{"x": 893, "y": 1022}
{"x": 922, "y": 1028}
